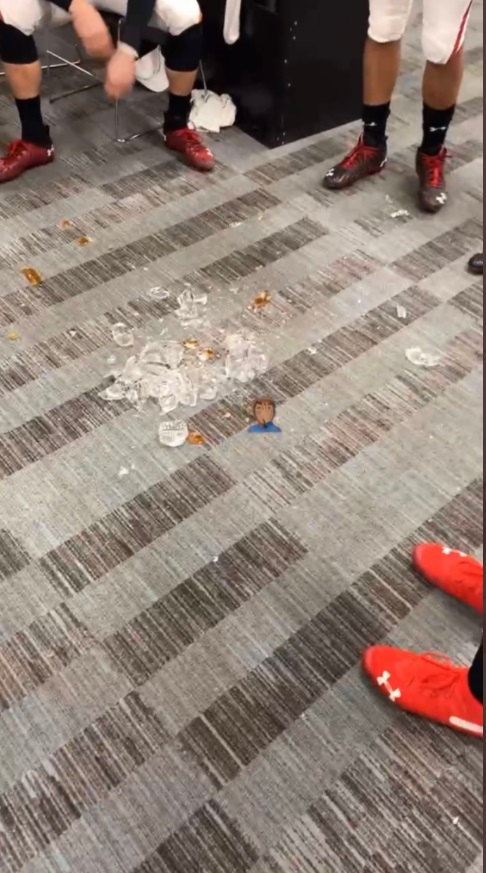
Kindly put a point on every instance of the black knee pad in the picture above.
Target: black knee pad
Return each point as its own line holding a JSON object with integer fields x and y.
{"x": 183, "y": 53}
{"x": 16, "y": 47}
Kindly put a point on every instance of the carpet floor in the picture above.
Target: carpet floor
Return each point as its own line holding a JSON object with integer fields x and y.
{"x": 181, "y": 628}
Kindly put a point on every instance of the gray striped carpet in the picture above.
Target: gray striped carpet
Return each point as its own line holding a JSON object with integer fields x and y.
{"x": 180, "y": 689}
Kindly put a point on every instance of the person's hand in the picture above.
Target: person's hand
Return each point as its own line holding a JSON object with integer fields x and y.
{"x": 91, "y": 29}
{"x": 120, "y": 74}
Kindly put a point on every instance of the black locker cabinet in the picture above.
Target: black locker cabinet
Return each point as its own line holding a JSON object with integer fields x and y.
{"x": 297, "y": 68}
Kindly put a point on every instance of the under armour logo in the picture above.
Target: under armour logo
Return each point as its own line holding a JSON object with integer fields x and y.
{"x": 385, "y": 680}
{"x": 50, "y": 152}
{"x": 441, "y": 198}
{"x": 436, "y": 129}
{"x": 447, "y": 551}
{"x": 330, "y": 172}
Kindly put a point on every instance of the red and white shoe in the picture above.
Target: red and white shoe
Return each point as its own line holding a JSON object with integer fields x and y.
{"x": 453, "y": 572}
{"x": 427, "y": 685}
{"x": 21, "y": 156}
{"x": 190, "y": 145}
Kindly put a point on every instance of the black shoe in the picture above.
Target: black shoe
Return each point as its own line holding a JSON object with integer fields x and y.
{"x": 362, "y": 161}
{"x": 475, "y": 264}
{"x": 432, "y": 184}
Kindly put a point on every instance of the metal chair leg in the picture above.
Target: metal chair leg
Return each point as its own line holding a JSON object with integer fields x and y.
{"x": 64, "y": 63}
{"x": 133, "y": 136}
{"x": 45, "y": 67}
{"x": 203, "y": 77}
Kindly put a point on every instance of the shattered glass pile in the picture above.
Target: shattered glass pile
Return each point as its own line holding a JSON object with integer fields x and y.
{"x": 172, "y": 373}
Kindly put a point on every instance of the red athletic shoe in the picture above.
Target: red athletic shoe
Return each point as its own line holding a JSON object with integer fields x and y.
{"x": 189, "y": 144}
{"x": 427, "y": 685}
{"x": 361, "y": 161}
{"x": 453, "y": 572}
{"x": 21, "y": 156}
{"x": 432, "y": 183}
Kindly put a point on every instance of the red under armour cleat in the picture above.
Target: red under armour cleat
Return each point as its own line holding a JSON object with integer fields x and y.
{"x": 362, "y": 161}
{"x": 453, "y": 572}
{"x": 432, "y": 183}
{"x": 189, "y": 144}
{"x": 426, "y": 685}
{"x": 22, "y": 156}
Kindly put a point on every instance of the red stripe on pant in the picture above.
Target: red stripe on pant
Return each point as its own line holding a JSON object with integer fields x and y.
{"x": 458, "y": 42}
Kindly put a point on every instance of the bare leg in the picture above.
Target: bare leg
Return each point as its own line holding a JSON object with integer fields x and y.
{"x": 381, "y": 65}
{"x": 442, "y": 82}
{"x": 25, "y": 82}
{"x": 24, "y": 75}
{"x": 24, "y": 79}
{"x": 181, "y": 84}
{"x": 440, "y": 90}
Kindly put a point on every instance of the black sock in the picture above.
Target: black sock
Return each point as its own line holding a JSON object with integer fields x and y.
{"x": 33, "y": 128}
{"x": 177, "y": 115}
{"x": 435, "y": 124}
{"x": 374, "y": 124}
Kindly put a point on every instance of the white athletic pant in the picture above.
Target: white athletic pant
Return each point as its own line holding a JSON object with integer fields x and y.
{"x": 444, "y": 24}
{"x": 173, "y": 16}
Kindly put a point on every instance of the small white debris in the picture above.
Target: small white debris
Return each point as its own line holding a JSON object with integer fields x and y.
{"x": 173, "y": 433}
{"x": 455, "y": 820}
{"x": 236, "y": 224}
{"x": 72, "y": 332}
{"x": 312, "y": 350}
{"x": 215, "y": 559}
{"x": 122, "y": 335}
{"x": 420, "y": 358}
{"x": 158, "y": 293}
{"x": 111, "y": 359}
{"x": 113, "y": 392}
{"x": 400, "y": 213}
{"x": 189, "y": 302}
{"x": 123, "y": 472}
{"x": 401, "y": 311}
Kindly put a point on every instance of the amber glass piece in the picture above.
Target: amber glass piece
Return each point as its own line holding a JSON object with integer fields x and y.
{"x": 195, "y": 439}
{"x": 261, "y": 300}
{"x": 32, "y": 276}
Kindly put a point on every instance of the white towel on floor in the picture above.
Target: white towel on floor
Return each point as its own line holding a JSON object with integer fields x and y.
{"x": 212, "y": 111}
